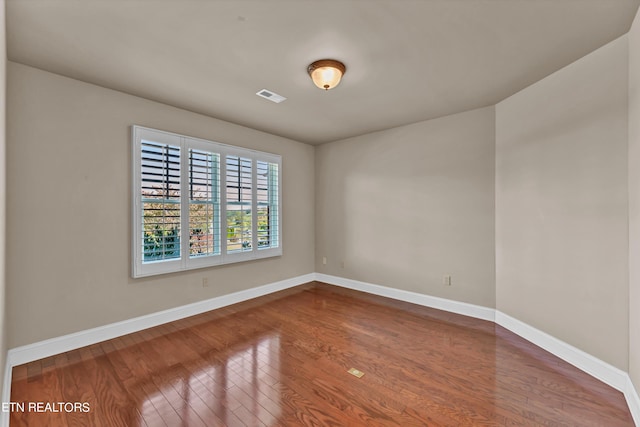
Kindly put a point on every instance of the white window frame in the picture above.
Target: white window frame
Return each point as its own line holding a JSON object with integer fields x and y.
{"x": 185, "y": 261}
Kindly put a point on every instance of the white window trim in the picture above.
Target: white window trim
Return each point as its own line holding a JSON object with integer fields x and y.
{"x": 185, "y": 262}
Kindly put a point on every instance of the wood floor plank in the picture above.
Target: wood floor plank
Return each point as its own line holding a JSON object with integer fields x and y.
{"x": 282, "y": 360}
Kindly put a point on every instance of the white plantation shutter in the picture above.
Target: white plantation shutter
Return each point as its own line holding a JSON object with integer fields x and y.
{"x": 204, "y": 203}
{"x": 200, "y": 203}
{"x": 267, "y": 204}
{"x": 239, "y": 185}
{"x": 160, "y": 196}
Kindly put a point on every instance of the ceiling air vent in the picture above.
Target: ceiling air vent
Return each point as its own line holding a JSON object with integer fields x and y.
{"x": 271, "y": 96}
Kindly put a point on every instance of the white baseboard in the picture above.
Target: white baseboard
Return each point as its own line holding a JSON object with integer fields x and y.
{"x": 463, "y": 308}
{"x": 39, "y": 350}
{"x": 633, "y": 400}
{"x": 606, "y": 373}
{"x": 593, "y": 366}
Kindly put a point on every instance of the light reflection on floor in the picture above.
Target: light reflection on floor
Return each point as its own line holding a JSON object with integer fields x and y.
{"x": 247, "y": 381}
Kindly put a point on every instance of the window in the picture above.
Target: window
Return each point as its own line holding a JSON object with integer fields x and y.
{"x": 199, "y": 203}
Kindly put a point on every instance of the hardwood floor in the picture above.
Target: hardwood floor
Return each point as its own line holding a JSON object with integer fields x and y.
{"x": 282, "y": 360}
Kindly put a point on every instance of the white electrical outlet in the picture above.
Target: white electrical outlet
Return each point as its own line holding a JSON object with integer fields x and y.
{"x": 446, "y": 280}
{"x": 324, "y": 260}
{"x": 205, "y": 282}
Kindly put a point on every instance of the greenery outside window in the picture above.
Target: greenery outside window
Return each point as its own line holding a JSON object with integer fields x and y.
{"x": 200, "y": 203}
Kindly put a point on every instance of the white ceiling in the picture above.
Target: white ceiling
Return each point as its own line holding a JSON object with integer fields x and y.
{"x": 407, "y": 60}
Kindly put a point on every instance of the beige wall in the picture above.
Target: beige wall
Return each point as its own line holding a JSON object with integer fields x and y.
{"x": 405, "y": 206}
{"x": 634, "y": 203}
{"x": 69, "y": 212}
{"x": 3, "y": 192}
{"x": 561, "y": 204}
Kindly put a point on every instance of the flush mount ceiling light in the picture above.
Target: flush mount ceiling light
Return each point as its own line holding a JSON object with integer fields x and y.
{"x": 326, "y": 73}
